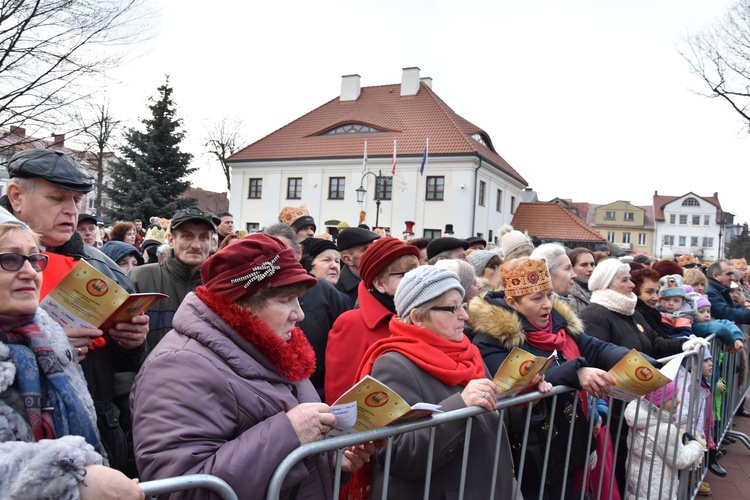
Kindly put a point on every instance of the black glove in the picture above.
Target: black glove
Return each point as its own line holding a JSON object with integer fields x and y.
{"x": 687, "y": 437}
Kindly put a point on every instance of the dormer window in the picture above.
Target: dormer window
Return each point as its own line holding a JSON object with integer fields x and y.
{"x": 690, "y": 202}
{"x": 353, "y": 128}
{"x": 480, "y": 139}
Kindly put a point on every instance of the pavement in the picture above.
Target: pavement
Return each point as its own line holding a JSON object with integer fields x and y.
{"x": 737, "y": 464}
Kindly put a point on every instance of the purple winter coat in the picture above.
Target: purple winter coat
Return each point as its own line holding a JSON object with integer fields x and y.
{"x": 207, "y": 402}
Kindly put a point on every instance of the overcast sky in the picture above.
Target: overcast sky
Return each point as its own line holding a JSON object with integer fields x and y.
{"x": 588, "y": 100}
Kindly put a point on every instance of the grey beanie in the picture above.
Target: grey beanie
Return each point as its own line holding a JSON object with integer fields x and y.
{"x": 464, "y": 270}
{"x": 479, "y": 259}
{"x": 423, "y": 284}
{"x": 8, "y": 218}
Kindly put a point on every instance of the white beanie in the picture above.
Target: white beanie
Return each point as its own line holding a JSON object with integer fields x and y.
{"x": 464, "y": 270}
{"x": 605, "y": 272}
{"x": 8, "y": 218}
{"x": 423, "y": 284}
{"x": 513, "y": 243}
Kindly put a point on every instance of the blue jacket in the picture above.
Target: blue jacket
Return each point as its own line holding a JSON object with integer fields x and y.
{"x": 722, "y": 305}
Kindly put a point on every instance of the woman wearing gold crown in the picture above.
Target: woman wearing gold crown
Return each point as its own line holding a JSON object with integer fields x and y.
{"x": 525, "y": 315}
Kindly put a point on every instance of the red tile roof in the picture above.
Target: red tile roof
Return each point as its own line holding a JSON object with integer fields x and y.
{"x": 661, "y": 200}
{"x": 408, "y": 119}
{"x": 551, "y": 221}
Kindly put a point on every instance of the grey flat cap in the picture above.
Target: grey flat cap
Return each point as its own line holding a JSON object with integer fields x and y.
{"x": 54, "y": 166}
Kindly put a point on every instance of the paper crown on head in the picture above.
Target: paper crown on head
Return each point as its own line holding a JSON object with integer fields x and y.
{"x": 530, "y": 276}
{"x": 291, "y": 214}
{"x": 155, "y": 233}
{"x": 686, "y": 260}
{"x": 739, "y": 264}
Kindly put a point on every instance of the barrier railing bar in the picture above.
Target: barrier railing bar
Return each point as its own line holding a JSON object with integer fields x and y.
{"x": 188, "y": 482}
{"x": 465, "y": 458}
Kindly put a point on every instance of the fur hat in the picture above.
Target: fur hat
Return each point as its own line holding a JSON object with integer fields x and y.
{"x": 514, "y": 243}
{"x": 664, "y": 393}
{"x": 463, "y": 270}
{"x": 479, "y": 259}
{"x": 530, "y": 277}
{"x": 380, "y": 255}
{"x": 423, "y": 284}
{"x": 254, "y": 262}
{"x": 605, "y": 272}
{"x": 665, "y": 267}
{"x": 671, "y": 286}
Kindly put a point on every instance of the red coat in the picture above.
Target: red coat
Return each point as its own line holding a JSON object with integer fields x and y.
{"x": 352, "y": 333}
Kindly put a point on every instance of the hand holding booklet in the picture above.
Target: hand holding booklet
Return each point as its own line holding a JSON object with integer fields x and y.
{"x": 87, "y": 298}
{"x": 634, "y": 376}
{"x": 517, "y": 372}
{"x": 370, "y": 404}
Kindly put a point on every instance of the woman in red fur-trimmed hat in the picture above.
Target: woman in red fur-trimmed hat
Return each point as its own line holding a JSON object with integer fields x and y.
{"x": 382, "y": 266}
{"x": 226, "y": 392}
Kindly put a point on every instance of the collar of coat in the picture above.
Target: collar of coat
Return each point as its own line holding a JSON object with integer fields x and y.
{"x": 492, "y": 316}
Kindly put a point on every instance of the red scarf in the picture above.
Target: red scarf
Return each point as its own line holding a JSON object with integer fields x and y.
{"x": 294, "y": 358}
{"x": 452, "y": 363}
{"x": 545, "y": 339}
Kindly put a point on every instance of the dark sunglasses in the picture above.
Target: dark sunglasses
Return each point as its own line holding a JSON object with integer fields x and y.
{"x": 451, "y": 309}
{"x": 12, "y": 261}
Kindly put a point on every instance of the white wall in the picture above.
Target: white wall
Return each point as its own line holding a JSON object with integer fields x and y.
{"x": 664, "y": 228}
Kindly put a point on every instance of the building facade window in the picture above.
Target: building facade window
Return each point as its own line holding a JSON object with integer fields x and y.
{"x": 626, "y": 237}
{"x": 336, "y": 188}
{"x": 252, "y": 227}
{"x": 682, "y": 241}
{"x": 609, "y": 215}
{"x": 512, "y": 204}
{"x": 708, "y": 242}
{"x": 482, "y": 189}
{"x": 435, "y": 189}
{"x": 668, "y": 240}
{"x": 499, "y": 201}
{"x": 641, "y": 239}
{"x": 294, "y": 188}
{"x": 431, "y": 234}
{"x": 353, "y": 128}
{"x": 696, "y": 220}
{"x": 672, "y": 218}
{"x": 683, "y": 219}
{"x": 629, "y": 216}
{"x": 706, "y": 220}
{"x": 690, "y": 202}
{"x": 693, "y": 241}
{"x": 255, "y": 189}
{"x": 611, "y": 236}
{"x": 386, "y": 188}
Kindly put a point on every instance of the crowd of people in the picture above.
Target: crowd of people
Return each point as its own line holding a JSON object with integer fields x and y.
{"x": 262, "y": 333}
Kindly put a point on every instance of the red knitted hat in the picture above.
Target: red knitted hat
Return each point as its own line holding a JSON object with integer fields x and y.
{"x": 254, "y": 262}
{"x": 380, "y": 254}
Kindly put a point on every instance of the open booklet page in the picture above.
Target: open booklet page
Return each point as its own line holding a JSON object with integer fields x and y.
{"x": 370, "y": 404}
{"x": 518, "y": 370}
{"x": 634, "y": 376}
{"x": 87, "y": 298}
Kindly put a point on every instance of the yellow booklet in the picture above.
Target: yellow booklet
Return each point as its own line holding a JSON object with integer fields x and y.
{"x": 518, "y": 370}
{"x": 87, "y": 298}
{"x": 370, "y": 404}
{"x": 634, "y": 376}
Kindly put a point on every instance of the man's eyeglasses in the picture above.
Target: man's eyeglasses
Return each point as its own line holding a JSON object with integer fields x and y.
{"x": 454, "y": 310}
{"x": 11, "y": 261}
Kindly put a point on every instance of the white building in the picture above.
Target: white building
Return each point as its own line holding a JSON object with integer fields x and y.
{"x": 317, "y": 160}
{"x": 687, "y": 224}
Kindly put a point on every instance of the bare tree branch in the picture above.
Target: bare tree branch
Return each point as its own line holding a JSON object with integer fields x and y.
{"x": 222, "y": 141}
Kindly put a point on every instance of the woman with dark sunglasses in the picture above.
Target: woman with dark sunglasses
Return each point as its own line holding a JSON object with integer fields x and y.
{"x": 49, "y": 444}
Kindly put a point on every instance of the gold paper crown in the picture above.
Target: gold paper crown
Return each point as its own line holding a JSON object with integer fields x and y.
{"x": 291, "y": 214}
{"x": 155, "y": 233}
{"x": 529, "y": 277}
{"x": 686, "y": 260}
{"x": 739, "y": 264}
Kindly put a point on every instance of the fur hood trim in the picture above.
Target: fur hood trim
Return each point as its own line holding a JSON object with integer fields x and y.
{"x": 500, "y": 322}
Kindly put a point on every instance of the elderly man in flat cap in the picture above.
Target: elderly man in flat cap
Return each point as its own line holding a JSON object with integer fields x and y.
{"x": 45, "y": 191}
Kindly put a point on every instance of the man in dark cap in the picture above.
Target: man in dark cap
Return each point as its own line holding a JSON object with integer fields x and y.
{"x": 476, "y": 243}
{"x": 189, "y": 238}
{"x": 352, "y": 243}
{"x": 446, "y": 248}
{"x": 87, "y": 228}
{"x": 45, "y": 191}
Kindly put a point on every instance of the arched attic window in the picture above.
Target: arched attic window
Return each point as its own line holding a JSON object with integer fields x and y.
{"x": 481, "y": 139}
{"x": 690, "y": 202}
{"x": 351, "y": 129}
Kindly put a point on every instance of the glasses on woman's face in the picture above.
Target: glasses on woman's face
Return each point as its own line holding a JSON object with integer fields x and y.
{"x": 12, "y": 261}
{"x": 454, "y": 310}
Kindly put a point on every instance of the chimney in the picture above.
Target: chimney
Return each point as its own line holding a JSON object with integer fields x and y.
{"x": 19, "y": 131}
{"x": 349, "y": 88}
{"x": 410, "y": 81}
{"x": 58, "y": 140}
{"x": 427, "y": 80}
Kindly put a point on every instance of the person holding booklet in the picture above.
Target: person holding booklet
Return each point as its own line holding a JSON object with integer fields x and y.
{"x": 227, "y": 391}
{"x": 525, "y": 315}
{"x": 428, "y": 359}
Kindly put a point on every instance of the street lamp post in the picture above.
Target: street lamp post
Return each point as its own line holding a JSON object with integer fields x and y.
{"x": 361, "y": 192}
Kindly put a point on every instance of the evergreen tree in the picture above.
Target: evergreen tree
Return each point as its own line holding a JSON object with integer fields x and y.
{"x": 739, "y": 247}
{"x": 152, "y": 173}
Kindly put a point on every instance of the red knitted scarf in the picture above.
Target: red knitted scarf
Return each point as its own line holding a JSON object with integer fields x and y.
{"x": 294, "y": 359}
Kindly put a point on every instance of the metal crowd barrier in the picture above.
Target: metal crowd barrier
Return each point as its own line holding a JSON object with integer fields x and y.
{"x": 189, "y": 482}
{"x": 684, "y": 485}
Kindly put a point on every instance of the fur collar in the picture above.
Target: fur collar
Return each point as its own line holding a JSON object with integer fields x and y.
{"x": 492, "y": 316}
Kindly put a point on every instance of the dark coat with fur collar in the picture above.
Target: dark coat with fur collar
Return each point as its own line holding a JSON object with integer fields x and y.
{"x": 499, "y": 329}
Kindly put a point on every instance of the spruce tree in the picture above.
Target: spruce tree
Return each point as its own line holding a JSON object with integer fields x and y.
{"x": 151, "y": 173}
{"x": 739, "y": 247}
